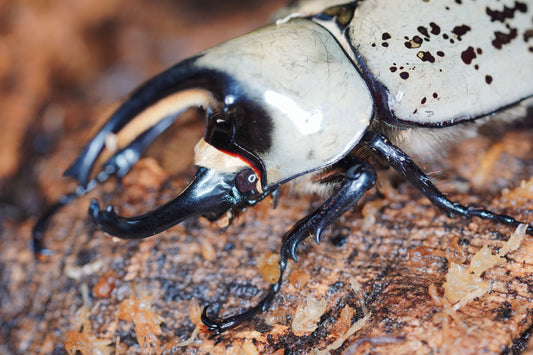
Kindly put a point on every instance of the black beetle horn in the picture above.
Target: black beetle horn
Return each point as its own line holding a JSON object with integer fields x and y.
{"x": 167, "y": 94}
{"x": 210, "y": 194}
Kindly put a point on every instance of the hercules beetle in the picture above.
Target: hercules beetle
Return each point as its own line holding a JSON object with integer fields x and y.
{"x": 329, "y": 84}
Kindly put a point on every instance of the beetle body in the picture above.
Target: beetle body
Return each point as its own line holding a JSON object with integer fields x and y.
{"x": 329, "y": 79}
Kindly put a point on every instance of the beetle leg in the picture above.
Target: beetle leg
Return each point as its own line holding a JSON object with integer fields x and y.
{"x": 118, "y": 165}
{"x": 403, "y": 164}
{"x": 358, "y": 177}
{"x": 37, "y": 241}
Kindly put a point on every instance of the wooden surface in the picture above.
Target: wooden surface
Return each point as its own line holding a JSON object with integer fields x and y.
{"x": 39, "y": 300}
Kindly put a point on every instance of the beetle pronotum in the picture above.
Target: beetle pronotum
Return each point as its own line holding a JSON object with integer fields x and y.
{"x": 329, "y": 79}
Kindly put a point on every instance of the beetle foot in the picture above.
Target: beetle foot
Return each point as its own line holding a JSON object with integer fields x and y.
{"x": 220, "y": 325}
{"x": 302, "y": 230}
{"x": 291, "y": 241}
{"x": 470, "y": 212}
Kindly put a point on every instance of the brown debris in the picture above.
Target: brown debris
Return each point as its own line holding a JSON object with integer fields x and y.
{"x": 519, "y": 196}
{"x": 307, "y": 315}
{"x": 83, "y": 339}
{"x": 298, "y": 278}
{"x": 464, "y": 283}
{"x": 147, "y": 322}
{"x": 105, "y": 285}
{"x": 268, "y": 266}
{"x": 86, "y": 344}
{"x": 487, "y": 164}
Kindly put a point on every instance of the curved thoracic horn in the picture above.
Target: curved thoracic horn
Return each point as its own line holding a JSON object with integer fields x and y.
{"x": 167, "y": 94}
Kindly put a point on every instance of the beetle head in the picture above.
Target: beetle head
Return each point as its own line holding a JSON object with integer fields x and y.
{"x": 281, "y": 101}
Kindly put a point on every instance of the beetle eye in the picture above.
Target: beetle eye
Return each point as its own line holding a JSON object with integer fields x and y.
{"x": 246, "y": 181}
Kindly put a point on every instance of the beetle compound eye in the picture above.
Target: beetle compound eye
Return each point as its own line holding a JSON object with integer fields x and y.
{"x": 246, "y": 181}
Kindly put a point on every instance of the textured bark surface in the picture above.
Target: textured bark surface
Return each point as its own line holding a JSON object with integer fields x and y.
{"x": 396, "y": 247}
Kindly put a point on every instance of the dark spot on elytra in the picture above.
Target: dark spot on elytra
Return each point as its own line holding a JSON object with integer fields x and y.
{"x": 476, "y": 67}
{"x": 458, "y": 2}
{"x": 393, "y": 69}
{"x": 385, "y": 36}
{"x": 445, "y": 36}
{"x": 423, "y": 101}
{"x": 468, "y": 55}
{"x": 426, "y": 57}
{"x": 416, "y": 42}
{"x": 384, "y": 44}
{"x": 435, "y": 95}
{"x": 440, "y": 53}
{"x": 404, "y": 75}
{"x": 479, "y": 51}
{"x": 435, "y": 29}
{"x": 507, "y": 13}
{"x": 528, "y": 35}
{"x": 460, "y": 31}
{"x": 504, "y": 38}
{"x": 488, "y": 79}
{"x": 423, "y": 31}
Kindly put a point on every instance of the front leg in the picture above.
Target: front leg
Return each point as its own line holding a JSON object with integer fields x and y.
{"x": 357, "y": 177}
